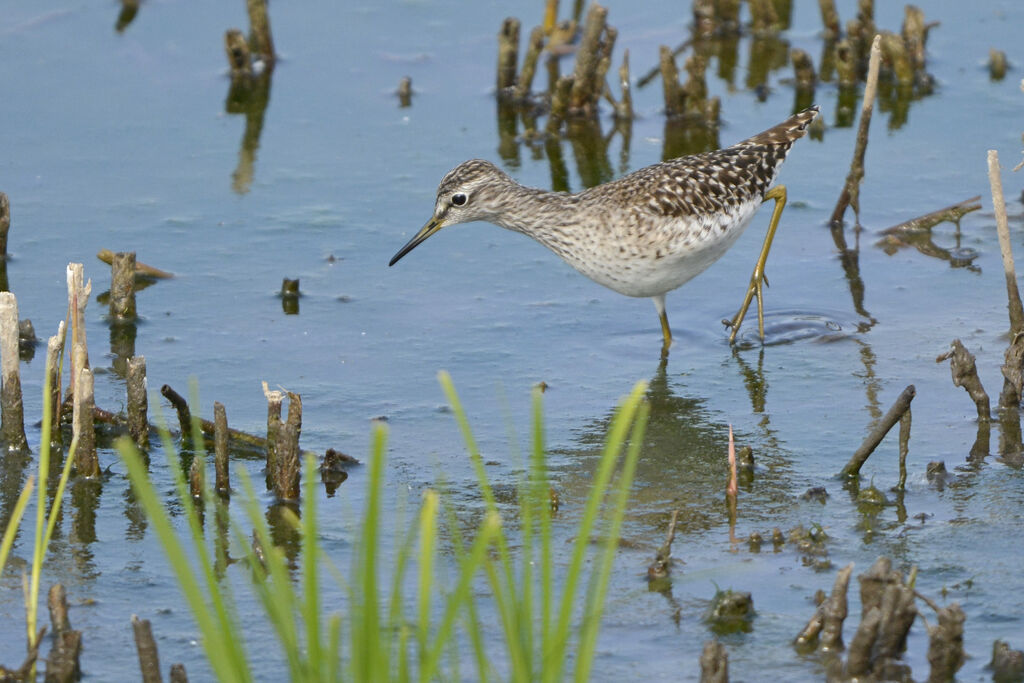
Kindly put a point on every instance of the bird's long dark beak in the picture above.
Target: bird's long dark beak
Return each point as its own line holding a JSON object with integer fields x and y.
{"x": 432, "y": 226}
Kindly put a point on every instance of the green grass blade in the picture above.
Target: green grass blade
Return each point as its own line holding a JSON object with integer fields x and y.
{"x": 489, "y": 530}
{"x": 12, "y": 526}
{"x": 214, "y": 637}
{"x": 367, "y": 652}
{"x": 555, "y": 656}
{"x": 271, "y": 581}
{"x": 507, "y": 588}
{"x": 540, "y": 494}
{"x": 428, "y": 541}
{"x": 310, "y": 562}
{"x": 596, "y": 598}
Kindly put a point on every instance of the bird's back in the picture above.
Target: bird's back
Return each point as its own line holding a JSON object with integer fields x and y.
{"x": 711, "y": 182}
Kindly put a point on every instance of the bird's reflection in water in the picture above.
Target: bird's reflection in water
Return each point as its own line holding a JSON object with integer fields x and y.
{"x": 683, "y": 462}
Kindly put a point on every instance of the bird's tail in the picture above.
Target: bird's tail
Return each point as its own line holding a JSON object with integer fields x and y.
{"x": 787, "y": 132}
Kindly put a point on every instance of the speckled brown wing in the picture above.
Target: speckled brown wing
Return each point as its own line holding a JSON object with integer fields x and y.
{"x": 718, "y": 181}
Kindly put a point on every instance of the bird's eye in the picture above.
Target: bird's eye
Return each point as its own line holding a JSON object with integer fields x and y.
{"x": 458, "y": 199}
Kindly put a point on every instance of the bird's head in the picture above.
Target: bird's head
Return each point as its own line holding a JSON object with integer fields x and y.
{"x": 472, "y": 191}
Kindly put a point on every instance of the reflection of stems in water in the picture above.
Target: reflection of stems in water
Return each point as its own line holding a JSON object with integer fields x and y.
{"x": 849, "y": 258}
{"x": 901, "y": 406}
{"x": 850, "y": 196}
{"x": 714, "y": 662}
{"x": 590, "y": 151}
{"x": 248, "y": 96}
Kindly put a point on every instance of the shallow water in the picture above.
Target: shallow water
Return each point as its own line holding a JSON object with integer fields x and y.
{"x": 121, "y": 141}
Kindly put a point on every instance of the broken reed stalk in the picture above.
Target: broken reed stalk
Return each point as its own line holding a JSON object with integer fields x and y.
{"x": 671, "y": 89}
{"x": 952, "y": 213}
{"x": 62, "y": 664}
{"x": 825, "y": 627}
{"x": 834, "y": 611}
{"x": 288, "y": 471}
{"x": 899, "y": 407}
{"x": 508, "y": 54}
{"x": 181, "y": 408}
{"x": 237, "y": 49}
{"x": 585, "y": 86}
{"x": 197, "y": 477}
{"x": 78, "y": 299}
{"x": 57, "y": 603}
{"x": 220, "y": 448}
{"x": 149, "y": 658}
{"x": 274, "y": 400}
{"x": 846, "y": 64}
{"x": 404, "y": 92}
{"x": 946, "y": 644}
{"x": 914, "y": 33}
{"x": 905, "y": 421}
{"x": 122, "y": 287}
{"x": 54, "y": 349}
{"x": 87, "y": 464}
{"x": 178, "y": 674}
{"x": 138, "y": 402}
{"x": 524, "y": 83}
{"x": 5, "y": 223}
{"x": 803, "y": 69}
{"x": 624, "y": 107}
{"x": 559, "y": 105}
{"x": 714, "y": 663}
{"x": 895, "y": 52}
{"x": 763, "y": 17}
{"x": 996, "y": 64}
{"x": 12, "y": 410}
{"x": 259, "y": 32}
{"x": 141, "y": 269}
{"x": 829, "y": 18}
{"x": 286, "y": 479}
{"x": 1003, "y": 230}
{"x": 964, "y": 370}
{"x": 662, "y": 565}
{"x": 850, "y": 195}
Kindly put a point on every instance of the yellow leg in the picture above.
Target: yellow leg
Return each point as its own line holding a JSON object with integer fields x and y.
{"x": 778, "y": 193}
{"x": 666, "y": 331}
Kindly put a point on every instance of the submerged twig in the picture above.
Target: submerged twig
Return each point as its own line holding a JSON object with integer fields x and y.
{"x": 901, "y": 406}
{"x": 952, "y": 213}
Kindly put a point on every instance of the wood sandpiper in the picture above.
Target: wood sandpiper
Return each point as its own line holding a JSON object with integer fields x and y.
{"x": 646, "y": 233}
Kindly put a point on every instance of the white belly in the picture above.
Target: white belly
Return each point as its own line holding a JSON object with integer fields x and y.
{"x": 669, "y": 259}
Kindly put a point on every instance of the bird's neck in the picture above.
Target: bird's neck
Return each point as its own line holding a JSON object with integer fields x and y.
{"x": 537, "y": 213}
